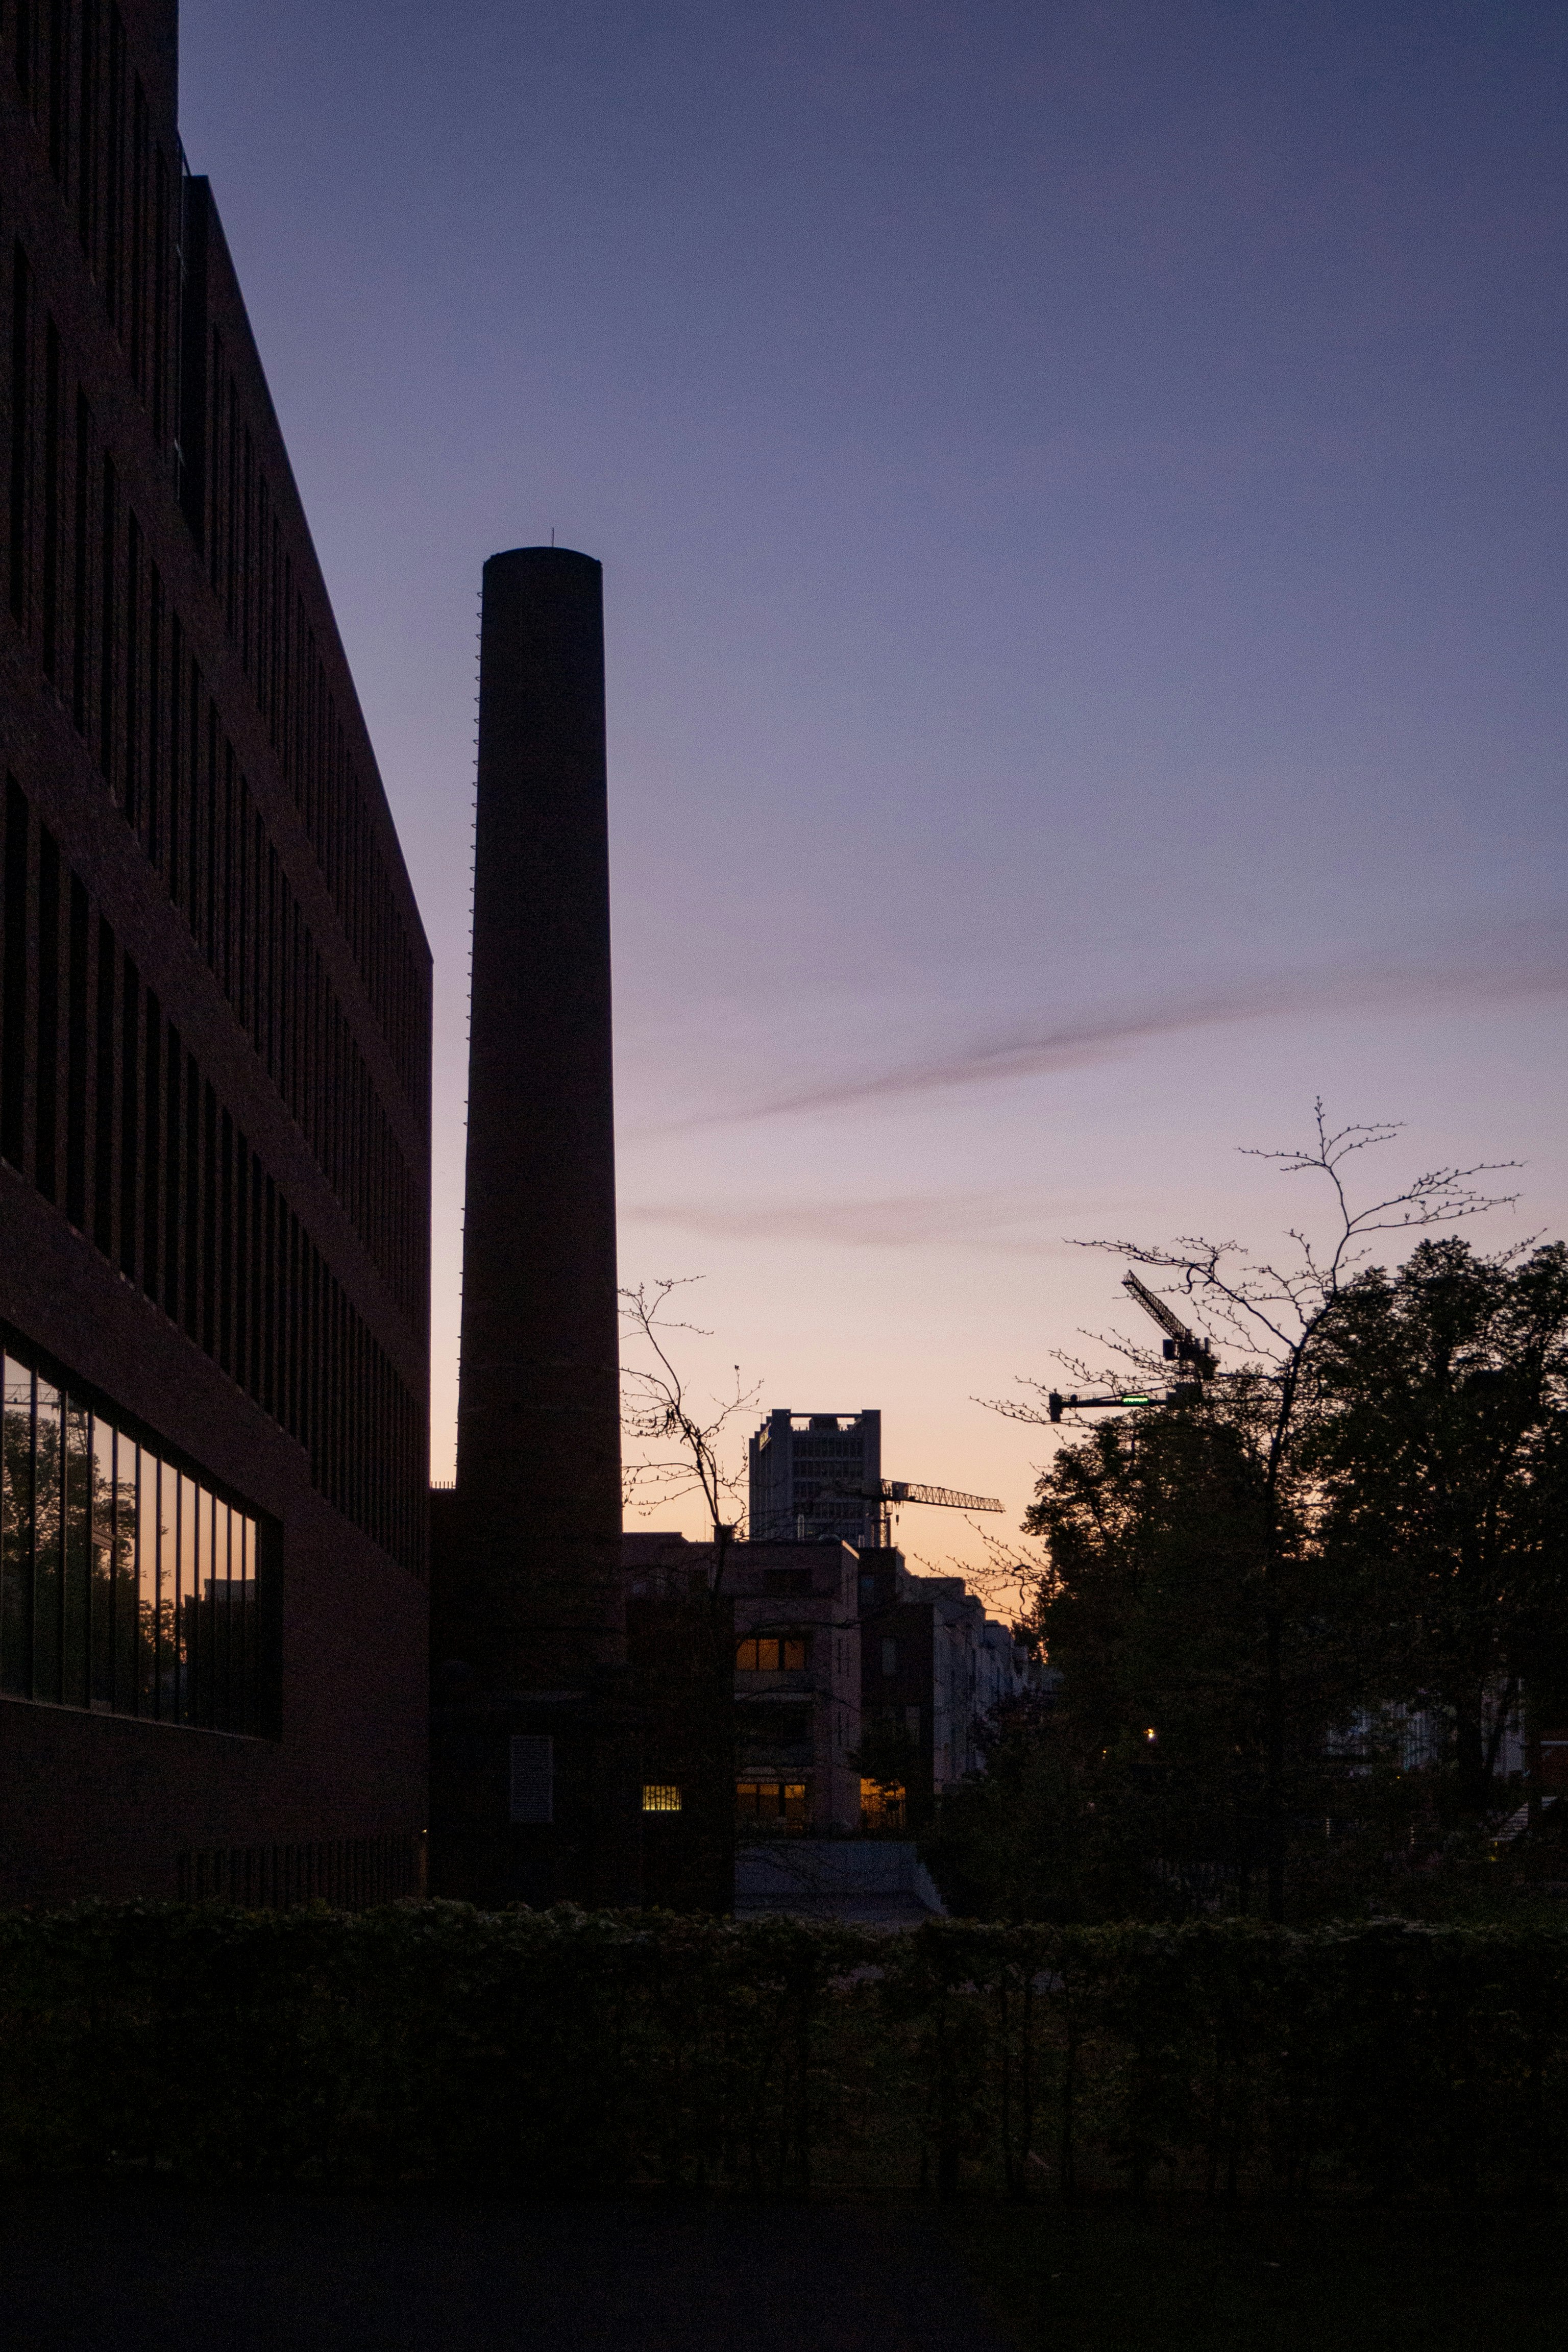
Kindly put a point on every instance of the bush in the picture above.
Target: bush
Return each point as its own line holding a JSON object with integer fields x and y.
{"x": 580, "y": 2052}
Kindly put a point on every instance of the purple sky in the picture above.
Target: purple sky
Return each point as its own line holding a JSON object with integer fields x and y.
{"x": 1081, "y": 495}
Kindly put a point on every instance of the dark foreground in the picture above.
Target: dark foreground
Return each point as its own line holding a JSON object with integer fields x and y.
{"x": 1106, "y": 2279}
{"x": 275, "y": 2273}
{"x": 271, "y": 2272}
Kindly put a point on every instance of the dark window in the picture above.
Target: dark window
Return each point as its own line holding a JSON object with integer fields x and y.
{"x": 787, "y": 1580}
{"x": 130, "y": 1113}
{"x": 21, "y": 428}
{"x": 81, "y": 610}
{"x": 75, "y": 1059}
{"x": 14, "y": 1007}
{"x": 771, "y": 1804}
{"x": 109, "y": 588}
{"x": 103, "y": 1122}
{"x": 46, "y": 1095}
{"x": 151, "y": 1149}
{"x": 48, "y": 647}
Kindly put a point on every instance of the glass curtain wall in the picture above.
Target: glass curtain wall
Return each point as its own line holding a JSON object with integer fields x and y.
{"x": 126, "y": 1584}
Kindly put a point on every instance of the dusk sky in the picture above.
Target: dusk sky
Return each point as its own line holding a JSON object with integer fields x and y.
{"x": 1081, "y": 490}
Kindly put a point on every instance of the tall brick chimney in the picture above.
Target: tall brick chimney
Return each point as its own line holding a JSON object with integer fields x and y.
{"x": 531, "y": 1790}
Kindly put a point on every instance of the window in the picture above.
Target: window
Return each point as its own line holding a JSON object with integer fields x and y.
{"x": 890, "y": 1657}
{"x": 660, "y": 1797}
{"x": 770, "y": 1653}
{"x": 128, "y": 1584}
{"x": 533, "y": 1778}
{"x": 777, "y": 1804}
{"x": 881, "y": 1808}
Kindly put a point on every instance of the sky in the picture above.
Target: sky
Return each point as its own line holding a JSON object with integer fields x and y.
{"x": 1081, "y": 494}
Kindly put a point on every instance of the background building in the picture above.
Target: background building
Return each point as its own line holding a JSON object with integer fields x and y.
{"x": 834, "y": 1651}
{"x": 933, "y": 1666}
{"x": 807, "y": 1470}
{"x": 214, "y": 1068}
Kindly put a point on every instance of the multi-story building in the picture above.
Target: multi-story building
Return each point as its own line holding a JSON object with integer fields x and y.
{"x": 933, "y": 1666}
{"x": 817, "y": 1476}
{"x": 838, "y": 1654}
{"x": 214, "y": 1062}
{"x": 798, "y": 1686}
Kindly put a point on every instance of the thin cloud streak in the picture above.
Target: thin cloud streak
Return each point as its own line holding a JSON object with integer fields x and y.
{"x": 1531, "y": 961}
{"x": 977, "y": 1218}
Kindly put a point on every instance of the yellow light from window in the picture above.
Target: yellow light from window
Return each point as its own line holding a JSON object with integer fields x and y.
{"x": 660, "y": 1797}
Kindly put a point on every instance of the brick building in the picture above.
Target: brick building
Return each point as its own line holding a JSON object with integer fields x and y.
{"x": 215, "y": 1046}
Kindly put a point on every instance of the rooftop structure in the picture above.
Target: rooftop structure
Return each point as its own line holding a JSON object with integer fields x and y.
{"x": 816, "y": 1477}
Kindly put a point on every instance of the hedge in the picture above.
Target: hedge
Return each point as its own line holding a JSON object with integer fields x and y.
{"x": 580, "y": 2052}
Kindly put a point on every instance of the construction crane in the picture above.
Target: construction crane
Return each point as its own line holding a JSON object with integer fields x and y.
{"x": 1181, "y": 1345}
{"x": 897, "y": 1490}
{"x": 890, "y": 1491}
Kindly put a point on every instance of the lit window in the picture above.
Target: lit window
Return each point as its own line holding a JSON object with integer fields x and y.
{"x": 660, "y": 1797}
{"x": 881, "y": 1808}
{"x": 769, "y": 1654}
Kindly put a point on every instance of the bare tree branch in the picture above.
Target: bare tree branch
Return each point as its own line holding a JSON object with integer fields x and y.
{"x": 681, "y": 1436}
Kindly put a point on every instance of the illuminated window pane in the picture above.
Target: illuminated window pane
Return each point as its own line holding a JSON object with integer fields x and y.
{"x": 746, "y": 1658}
{"x": 797, "y": 1649}
{"x": 795, "y": 1802}
{"x": 881, "y": 1808}
{"x": 102, "y": 1553}
{"x": 768, "y": 1655}
{"x": 660, "y": 1797}
{"x": 48, "y": 1481}
{"x": 15, "y": 1532}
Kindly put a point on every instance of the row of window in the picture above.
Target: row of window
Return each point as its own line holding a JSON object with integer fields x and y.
{"x": 126, "y": 191}
{"x": 258, "y": 580}
{"x": 118, "y": 183}
{"x": 124, "y": 667}
{"x": 127, "y": 1583}
{"x": 128, "y": 1136}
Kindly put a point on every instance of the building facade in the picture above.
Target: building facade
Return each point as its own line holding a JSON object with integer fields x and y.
{"x": 838, "y": 1655}
{"x": 934, "y": 1667}
{"x": 817, "y": 1476}
{"x": 215, "y": 1067}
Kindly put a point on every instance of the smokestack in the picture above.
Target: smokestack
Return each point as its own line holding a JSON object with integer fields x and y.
{"x": 528, "y": 1621}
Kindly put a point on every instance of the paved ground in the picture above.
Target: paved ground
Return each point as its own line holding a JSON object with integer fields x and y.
{"x": 269, "y": 2273}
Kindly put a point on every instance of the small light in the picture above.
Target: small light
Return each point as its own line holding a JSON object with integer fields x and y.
{"x": 1151, "y": 1735}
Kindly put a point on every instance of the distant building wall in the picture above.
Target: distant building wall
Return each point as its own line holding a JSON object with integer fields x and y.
{"x": 817, "y": 1476}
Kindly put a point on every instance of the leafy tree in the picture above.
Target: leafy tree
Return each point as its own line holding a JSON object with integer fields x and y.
{"x": 1277, "y": 1313}
{"x": 1443, "y": 1452}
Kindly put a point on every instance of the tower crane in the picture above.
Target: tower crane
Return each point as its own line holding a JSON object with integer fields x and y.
{"x": 890, "y": 1491}
{"x": 1182, "y": 1346}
